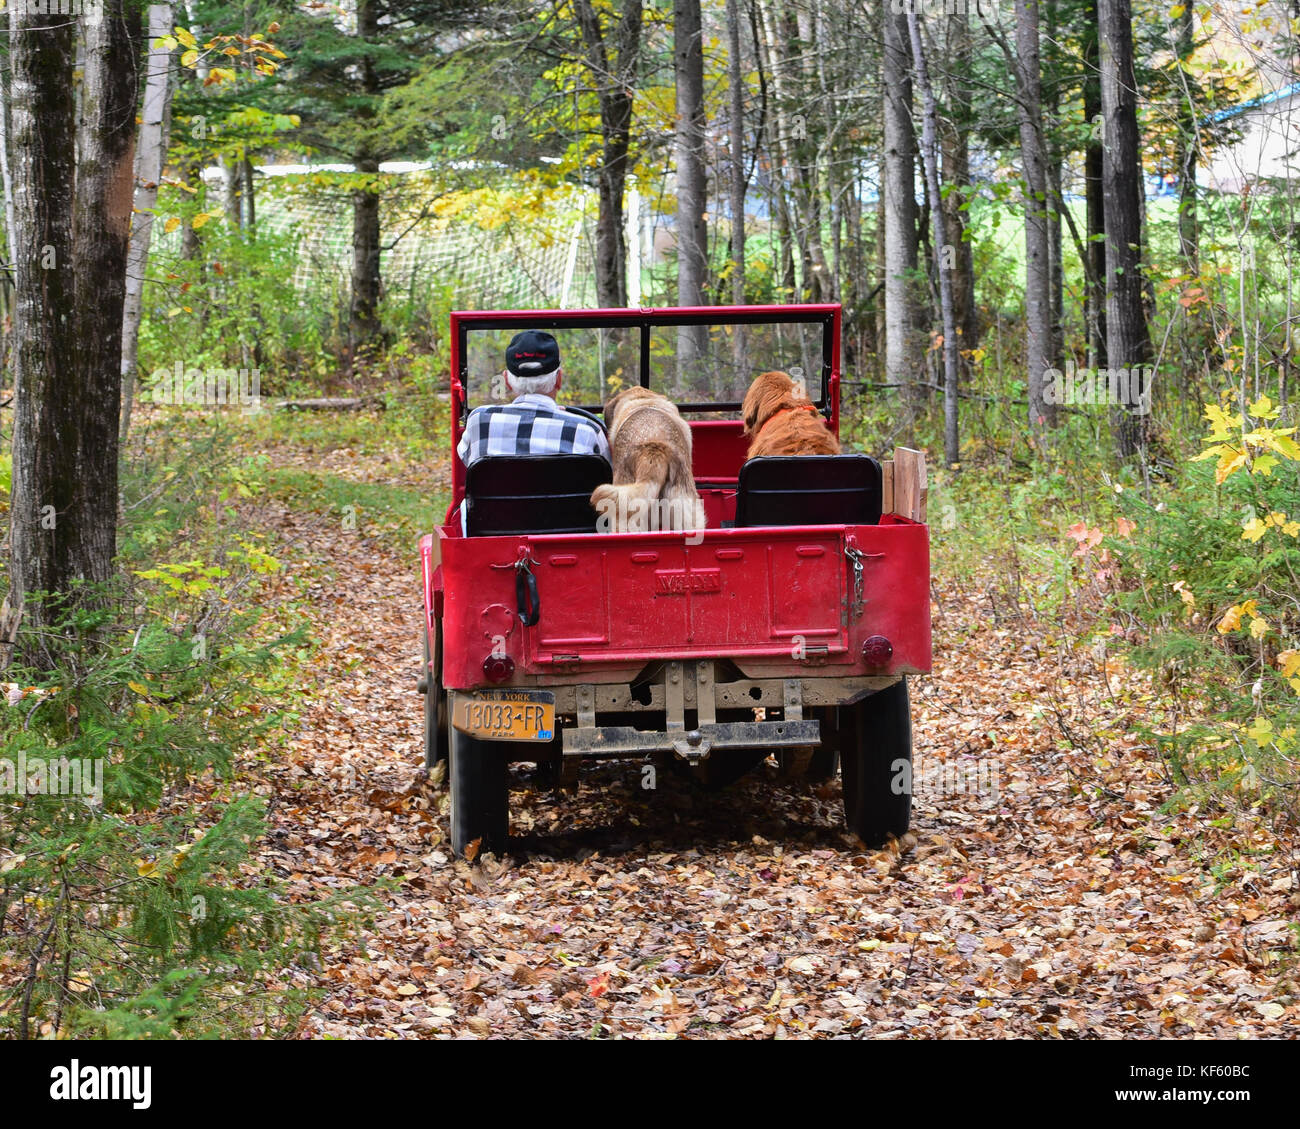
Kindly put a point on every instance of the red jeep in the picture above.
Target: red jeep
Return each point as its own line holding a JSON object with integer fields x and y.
{"x": 787, "y": 626}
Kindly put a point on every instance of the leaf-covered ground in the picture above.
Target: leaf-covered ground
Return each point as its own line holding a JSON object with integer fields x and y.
{"x": 1041, "y": 893}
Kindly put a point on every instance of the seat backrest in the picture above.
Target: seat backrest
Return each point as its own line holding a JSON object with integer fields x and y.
{"x": 809, "y": 490}
{"x": 532, "y": 494}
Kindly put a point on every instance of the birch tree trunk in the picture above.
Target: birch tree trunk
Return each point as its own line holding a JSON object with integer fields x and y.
{"x": 736, "y": 80}
{"x": 903, "y": 359}
{"x": 943, "y": 267}
{"x": 1038, "y": 325}
{"x": 150, "y": 156}
{"x": 692, "y": 243}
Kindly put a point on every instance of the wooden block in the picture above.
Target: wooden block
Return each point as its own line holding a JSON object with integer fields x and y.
{"x": 887, "y": 486}
{"x": 910, "y": 486}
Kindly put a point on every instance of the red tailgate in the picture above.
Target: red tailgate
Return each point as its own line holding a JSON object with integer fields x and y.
{"x": 758, "y": 593}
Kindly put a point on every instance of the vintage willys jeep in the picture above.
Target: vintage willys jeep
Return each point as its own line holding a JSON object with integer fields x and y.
{"x": 787, "y": 626}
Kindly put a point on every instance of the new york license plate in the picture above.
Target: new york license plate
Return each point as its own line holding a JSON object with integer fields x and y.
{"x": 506, "y": 715}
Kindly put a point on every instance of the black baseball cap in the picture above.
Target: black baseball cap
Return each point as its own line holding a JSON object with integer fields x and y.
{"x": 532, "y": 353}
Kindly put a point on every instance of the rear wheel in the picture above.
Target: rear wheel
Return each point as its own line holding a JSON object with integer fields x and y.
{"x": 876, "y": 764}
{"x": 479, "y": 794}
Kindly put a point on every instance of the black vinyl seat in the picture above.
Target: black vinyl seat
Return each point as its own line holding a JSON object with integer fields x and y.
{"x": 532, "y": 494}
{"x": 809, "y": 490}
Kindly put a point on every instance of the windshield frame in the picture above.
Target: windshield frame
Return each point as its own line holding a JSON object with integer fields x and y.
{"x": 645, "y": 320}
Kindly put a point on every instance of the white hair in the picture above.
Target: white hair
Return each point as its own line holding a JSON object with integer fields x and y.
{"x": 542, "y": 385}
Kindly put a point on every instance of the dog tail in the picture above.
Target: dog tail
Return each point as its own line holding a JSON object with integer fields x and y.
{"x": 625, "y": 508}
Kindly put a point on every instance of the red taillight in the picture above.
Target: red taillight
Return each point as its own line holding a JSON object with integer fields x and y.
{"x": 498, "y": 667}
{"x": 877, "y": 650}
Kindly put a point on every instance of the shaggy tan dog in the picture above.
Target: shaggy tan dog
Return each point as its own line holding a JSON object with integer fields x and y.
{"x": 650, "y": 448}
{"x": 783, "y": 421}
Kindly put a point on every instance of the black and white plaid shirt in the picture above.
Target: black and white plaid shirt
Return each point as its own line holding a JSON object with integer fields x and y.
{"x": 532, "y": 425}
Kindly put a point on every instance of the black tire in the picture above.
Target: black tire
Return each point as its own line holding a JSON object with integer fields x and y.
{"x": 875, "y": 736}
{"x": 480, "y": 792}
{"x": 436, "y": 746}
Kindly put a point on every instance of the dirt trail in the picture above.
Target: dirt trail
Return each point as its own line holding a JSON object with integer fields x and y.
{"x": 1060, "y": 906}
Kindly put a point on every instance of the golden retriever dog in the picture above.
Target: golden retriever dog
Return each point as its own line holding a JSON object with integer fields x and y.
{"x": 650, "y": 448}
{"x": 783, "y": 421}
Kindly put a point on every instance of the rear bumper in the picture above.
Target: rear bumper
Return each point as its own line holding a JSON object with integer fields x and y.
{"x": 695, "y": 744}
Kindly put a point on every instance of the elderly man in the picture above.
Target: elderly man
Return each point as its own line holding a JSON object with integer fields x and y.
{"x": 532, "y": 423}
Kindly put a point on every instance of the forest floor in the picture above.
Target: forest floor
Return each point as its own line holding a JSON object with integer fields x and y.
{"x": 1042, "y": 891}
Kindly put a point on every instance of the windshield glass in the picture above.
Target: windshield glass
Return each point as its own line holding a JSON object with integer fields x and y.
{"x": 704, "y": 368}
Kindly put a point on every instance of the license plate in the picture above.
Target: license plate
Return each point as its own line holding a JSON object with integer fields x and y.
{"x": 506, "y": 715}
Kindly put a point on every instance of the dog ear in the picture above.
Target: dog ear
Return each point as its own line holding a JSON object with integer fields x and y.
{"x": 763, "y": 397}
{"x": 611, "y": 405}
{"x": 749, "y": 408}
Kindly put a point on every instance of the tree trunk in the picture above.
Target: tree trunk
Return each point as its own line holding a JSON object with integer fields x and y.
{"x": 367, "y": 283}
{"x": 363, "y": 316}
{"x": 943, "y": 268}
{"x": 1095, "y": 282}
{"x": 614, "y": 78}
{"x": 692, "y": 241}
{"x": 249, "y": 195}
{"x": 70, "y": 264}
{"x": 736, "y": 80}
{"x": 1128, "y": 344}
{"x": 150, "y": 155}
{"x": 903, "y": 354}
{"x": 956, "y": 173}
{"x": 1055, "y": 251}
{"x": 1038, "y": 325}
{"x": 1188, "y": 227}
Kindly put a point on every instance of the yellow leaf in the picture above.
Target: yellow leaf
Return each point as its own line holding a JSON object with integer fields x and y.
{"x": 1258, "y": 628}
{"x": 1231, "y": 620}
{"x": 186, "y": 38}
{"x": 189, "y": 58}
{"x": 1224, "y": 426}
{"x": 1229, "y": 464}
{"x": 1263, "y": 409}
{"x": 146, "y": 868}
{"x": 173, "y": 222}
{"x": 1284, "y": 445}
{"x": 203, "y": 217}
{"x": 1253, "y": 530}
{"x": 1289, "y": 663}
